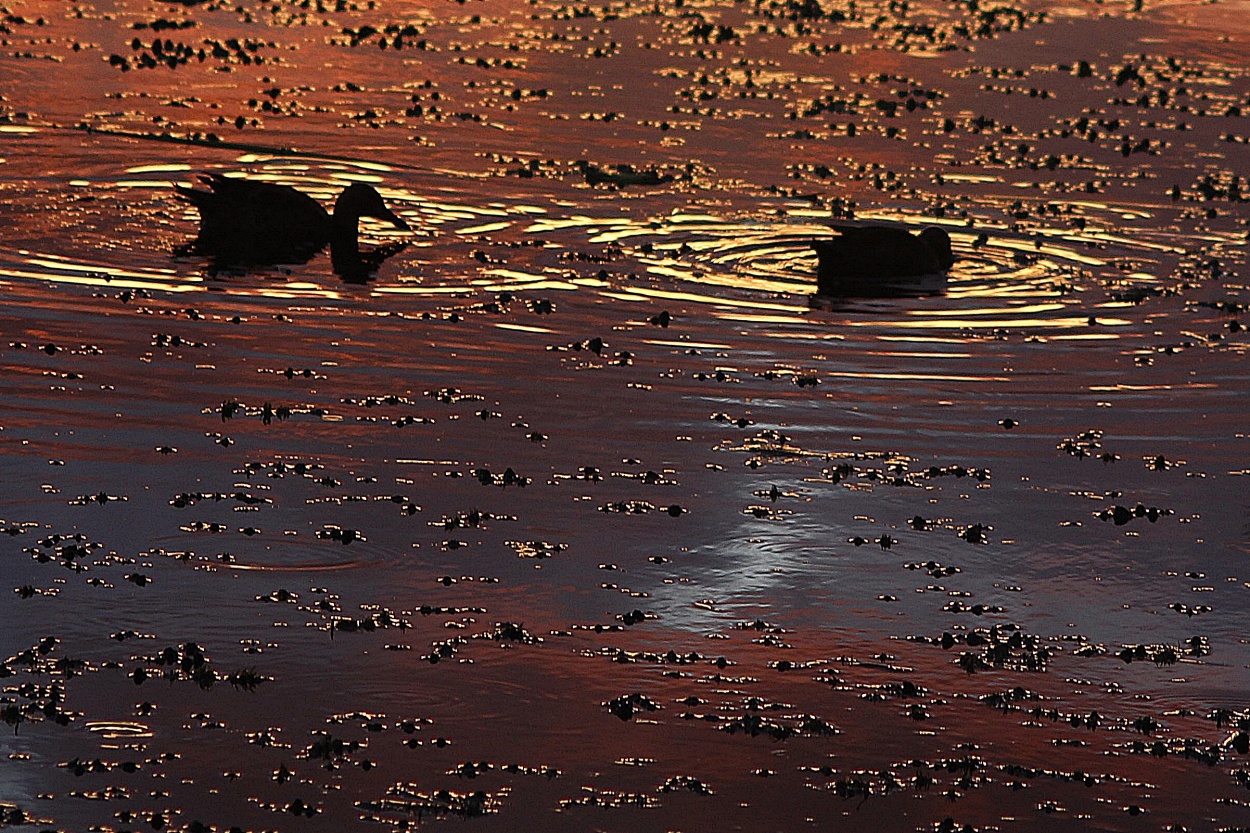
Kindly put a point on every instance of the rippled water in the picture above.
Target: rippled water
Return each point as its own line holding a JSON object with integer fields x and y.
{"x": 583, "y": 513}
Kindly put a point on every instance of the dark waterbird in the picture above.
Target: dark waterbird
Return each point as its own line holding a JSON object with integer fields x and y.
{"x": 868, "y": 261}
{"x": 244, "y": 222}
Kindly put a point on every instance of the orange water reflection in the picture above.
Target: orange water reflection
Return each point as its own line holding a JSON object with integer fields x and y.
{"x": 586, "y": 441}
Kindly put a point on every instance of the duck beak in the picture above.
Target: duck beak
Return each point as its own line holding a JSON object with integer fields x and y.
{"x": 392, "y": 218}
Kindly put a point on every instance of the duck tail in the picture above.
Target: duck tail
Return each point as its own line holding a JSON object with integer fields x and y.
{"x": 197, "y": 196}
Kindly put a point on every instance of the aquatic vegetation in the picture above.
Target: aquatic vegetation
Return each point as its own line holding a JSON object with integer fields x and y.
{"x": 1121, "y": 515}
{"x": 627, "y": 705}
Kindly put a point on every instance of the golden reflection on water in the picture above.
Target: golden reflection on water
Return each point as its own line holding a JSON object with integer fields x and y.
{"x": 695, "y": 249}
{"x": 158, "y": 168}
{"x": 1058, "y": 323}
{"x": 636, "y": 292}
{"x": 119, "y": 730}
{"x": 912, "y": 377}
{"x": 486, "y": 228}
{"x": 1121, "y": 388}
{"x": 756, "y": 318}
{"x": 524, "y": 328}
{"x": 1082, "y": 336}
{"x": 688, "y": 345}
{"x": 58, "y": 270}
{"x": 1021, "y": 310}
{"x": 421, "y": 290}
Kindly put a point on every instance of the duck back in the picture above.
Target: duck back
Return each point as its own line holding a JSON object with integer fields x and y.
{"x": 879, "y": 260}
{"x": 243, "y": 221}
{"x": 876, "y": 252}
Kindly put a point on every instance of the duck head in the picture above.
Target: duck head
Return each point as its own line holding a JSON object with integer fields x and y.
{"x": 940, "y": 242}
{"x": 361, "y": 200}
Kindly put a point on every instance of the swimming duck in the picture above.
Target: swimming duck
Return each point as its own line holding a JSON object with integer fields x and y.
{"x": 245, "y": 222}
{"x": 881, "y": 260}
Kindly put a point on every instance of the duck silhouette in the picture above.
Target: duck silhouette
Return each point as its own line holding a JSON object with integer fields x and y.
{"x": 878, "y": 260}
{"x": 244, "y": 223}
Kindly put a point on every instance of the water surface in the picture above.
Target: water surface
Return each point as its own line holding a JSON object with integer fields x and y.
{"x": 580, "y": 514}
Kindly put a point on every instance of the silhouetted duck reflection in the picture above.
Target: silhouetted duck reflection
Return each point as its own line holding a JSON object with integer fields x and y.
{"x": 244, "y": 222}
{"x": 874, "y": 261}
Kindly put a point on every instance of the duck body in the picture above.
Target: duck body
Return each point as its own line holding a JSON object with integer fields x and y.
{"x": 878, "y": 260}
{"x": 245, "y": 222}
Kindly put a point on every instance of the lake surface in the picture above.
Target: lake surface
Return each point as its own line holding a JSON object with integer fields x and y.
{"x": 581, "y": 513}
